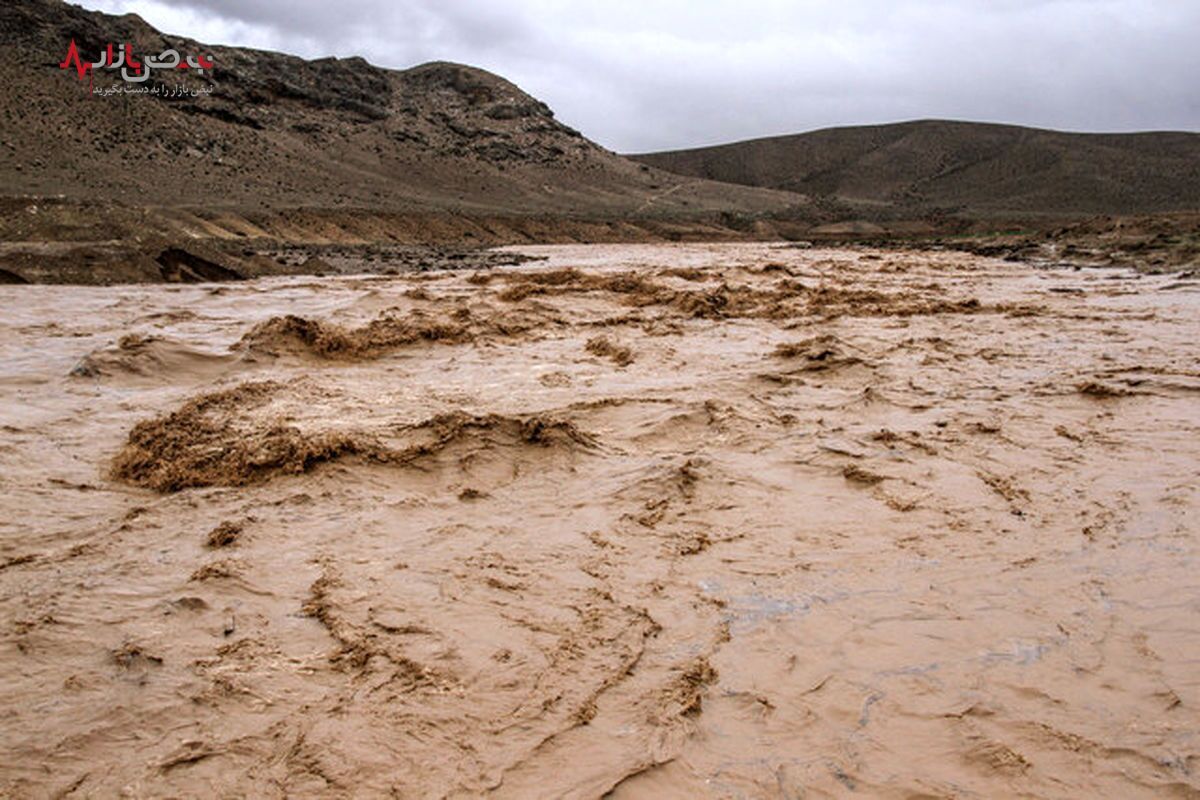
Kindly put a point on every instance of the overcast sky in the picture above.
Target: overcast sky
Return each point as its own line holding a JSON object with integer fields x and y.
{"x": 640, "y": 75}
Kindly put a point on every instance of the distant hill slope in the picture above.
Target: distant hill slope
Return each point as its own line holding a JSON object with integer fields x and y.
{"x": 280, "y": 131}
{"x": 972, "y": 167}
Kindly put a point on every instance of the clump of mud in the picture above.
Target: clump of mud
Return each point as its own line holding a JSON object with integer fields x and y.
{"x": 856, "y": 474}
{"x": 445, "y": 429}
{"x": 224, "y": 535}
{"x": 639, "y": 291}
{"x": 817, "y": 353}
{"x": 300, "y": 336}
{"x": 686, "y": 273}
{"x": 838, "y": 301}
{"x": 604, "y": 347}
{"x": 686, "y": 693}
{"x": 293, "y": 334}
{"x": 131, "y": 655}
{"x": 213, "y": 440}
{"x": 138, "y": 356}
{"x": 570, "y": 280}
{"x": 781, "y": 299}
{"x": 216, "y": 570}
{"x": 1102, "y": 391}
{"x": 201, "y": 444}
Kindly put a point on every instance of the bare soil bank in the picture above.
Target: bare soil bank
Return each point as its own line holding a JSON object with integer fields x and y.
{"x": 61, "y": 241}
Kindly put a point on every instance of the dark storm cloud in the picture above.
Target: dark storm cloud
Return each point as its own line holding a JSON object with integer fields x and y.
{"x": 660, "y": 74}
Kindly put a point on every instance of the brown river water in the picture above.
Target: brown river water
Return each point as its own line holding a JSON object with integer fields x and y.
{"x": 731, "y": 521}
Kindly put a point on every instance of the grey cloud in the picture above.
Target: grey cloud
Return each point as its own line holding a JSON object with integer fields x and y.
{"x": 660, "y": 74}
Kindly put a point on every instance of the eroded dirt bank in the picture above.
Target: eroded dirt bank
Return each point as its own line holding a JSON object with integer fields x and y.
{"x": 668, "y": 521}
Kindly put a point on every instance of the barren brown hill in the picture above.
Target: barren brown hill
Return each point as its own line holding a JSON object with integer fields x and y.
{"x": 968, "y": 167}
{"x": 292, "y": 165}
{"x": 280, "y": 132}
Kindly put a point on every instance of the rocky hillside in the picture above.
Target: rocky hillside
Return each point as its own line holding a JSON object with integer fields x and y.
{"x": 282, "y": 132}
{"x": 971, "y": 168}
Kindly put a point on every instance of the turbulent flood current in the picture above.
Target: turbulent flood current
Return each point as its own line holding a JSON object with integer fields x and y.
{"x": 733, "y": 521}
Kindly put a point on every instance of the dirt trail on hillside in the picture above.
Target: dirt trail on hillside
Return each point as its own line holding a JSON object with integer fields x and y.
{"x": 738, "y": 520}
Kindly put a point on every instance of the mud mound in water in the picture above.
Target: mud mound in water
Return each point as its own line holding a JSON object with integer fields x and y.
{"x": 777, "y": 299}
{"x": 152, "y": 357}
{"x": 817, "y": 353}
{"x": 298, "y": 335}
{"x": 640, "y": 292}
{"x": 837, "y": 301}
{"x": 226, "y": 439}
{"x": 302, "y": 336}
{"x": 208, "y": 442}
{"x": 604, "y": 347}
{"x": 638, "y": 289}
{"x": 437, "y": 433}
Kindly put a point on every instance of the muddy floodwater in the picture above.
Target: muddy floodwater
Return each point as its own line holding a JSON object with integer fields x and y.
{"x": 732, "y": 521}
